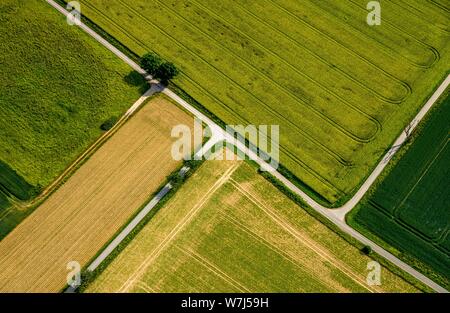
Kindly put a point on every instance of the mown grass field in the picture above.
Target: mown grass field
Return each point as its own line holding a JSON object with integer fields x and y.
{"x": 76, "y": 221}
{"x": 57, "y": 86}
{"x": 341, "y": 90}
{"x": 227, "y": 229}
{"x": 410, "y": 207}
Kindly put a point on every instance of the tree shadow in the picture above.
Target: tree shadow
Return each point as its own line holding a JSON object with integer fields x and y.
{"x": 135, "y": 79}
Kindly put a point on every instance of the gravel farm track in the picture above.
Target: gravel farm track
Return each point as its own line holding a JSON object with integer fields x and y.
{"x": 335, "y": 215}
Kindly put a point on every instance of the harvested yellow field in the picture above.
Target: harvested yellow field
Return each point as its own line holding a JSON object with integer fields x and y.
{"x": 75, "y": 222}
{"x": 227, "y": 229}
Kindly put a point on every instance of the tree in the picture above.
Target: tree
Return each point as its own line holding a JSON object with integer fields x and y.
{"x": 151, "y": 62}
{"x": 166, "y": 71}
{"x": 366, "y": 250}
{"x": 109, "y": 123}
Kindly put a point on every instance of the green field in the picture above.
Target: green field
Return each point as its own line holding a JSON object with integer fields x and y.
{"x": 410, "y": 207}
{"x": 340, "y": 90}
{"x": 227, "y": 229}
{"x": 57, "y": 86}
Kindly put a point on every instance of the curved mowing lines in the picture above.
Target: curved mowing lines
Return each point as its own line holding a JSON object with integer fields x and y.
{"x": 287, "y": 91}
{"x": 406, "y": 88}
{"x": 339, "y": 159}
{"x": 413, "y": 11}
{"x": 313, "y": 54}
{"x": 321, "y": 32}
{"x": 287, "y": 152}
{"x": 383, "y": 98}
{"x": 436, "y": 53}
{"x": 345, "y": 102}
{"x": 402, "y": 31}
{"x": 294, "y": 68}
{"x": 332, "y": 123}
{"x": 373, "y": 39}
{"x": 268, "y": 108}
{"x": 294, "y": 158}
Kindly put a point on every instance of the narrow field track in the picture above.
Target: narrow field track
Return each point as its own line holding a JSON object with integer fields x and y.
{"x": 340, "y": 93}
{"x": 222, "y": 231}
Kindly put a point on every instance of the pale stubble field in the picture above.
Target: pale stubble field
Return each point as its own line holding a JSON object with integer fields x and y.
{"x": 84, "y": 214}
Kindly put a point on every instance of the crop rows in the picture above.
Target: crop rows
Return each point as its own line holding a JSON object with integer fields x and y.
{"x": 332, "y": 84}
{"x": 76, "y": 221}
{"x": 227, "y": 229}
{"x": 409, "y": 209}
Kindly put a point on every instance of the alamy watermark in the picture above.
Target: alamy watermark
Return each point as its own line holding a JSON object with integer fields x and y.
{"x": 259, "y": 142}
{"x": 74, "y": 16}
{"x": 74, "y": 276}
{"x": 374, "y": 276}
{"x": 374, "y": 16}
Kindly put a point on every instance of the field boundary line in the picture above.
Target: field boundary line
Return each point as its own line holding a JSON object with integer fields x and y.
{"x": 336, "y": 216}
{"x": 87, "y": 153}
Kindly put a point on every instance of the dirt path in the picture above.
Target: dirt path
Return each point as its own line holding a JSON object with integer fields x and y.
{"x": 335, "y": 215}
